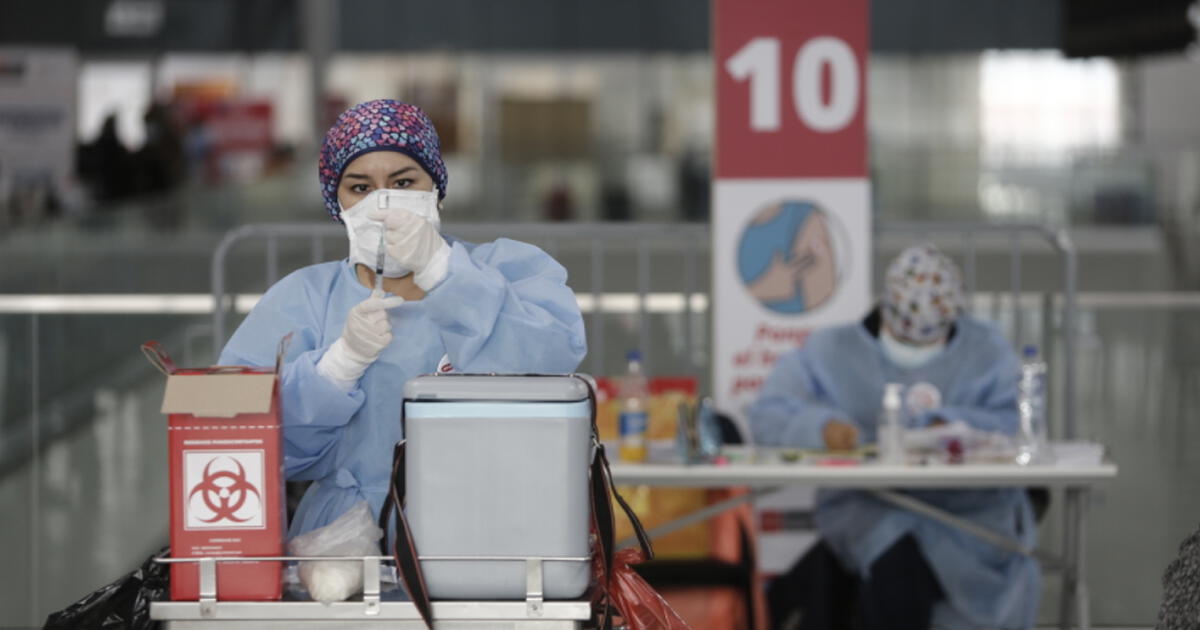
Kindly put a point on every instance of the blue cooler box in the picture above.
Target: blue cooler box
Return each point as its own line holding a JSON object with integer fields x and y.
{"x": 497, "y": 467}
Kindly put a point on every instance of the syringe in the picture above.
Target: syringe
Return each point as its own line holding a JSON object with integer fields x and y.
{"x": 382, "y": 252}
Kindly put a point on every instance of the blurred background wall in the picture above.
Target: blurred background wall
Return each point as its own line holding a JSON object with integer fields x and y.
{"x": 987, "y": 108}
{"x": 135, "y": 133}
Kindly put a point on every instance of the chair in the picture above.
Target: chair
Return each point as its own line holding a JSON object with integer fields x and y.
{"x": 723, "y": 590}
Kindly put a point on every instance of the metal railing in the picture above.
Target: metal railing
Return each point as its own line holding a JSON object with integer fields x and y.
{"x": 207, "y": 594}
{"x": 691, "y": 242}
{"x": 597, "y": 239}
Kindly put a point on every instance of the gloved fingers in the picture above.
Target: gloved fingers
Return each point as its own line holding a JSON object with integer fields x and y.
{"x": 376, "y": 320}
{"x": 371, "y": 329}
{"x": 372, "y": 308}
{"x": 373, "y": 304}
{"x": 393, "y": 238}
{"x": 369, "y": 312}
{"x": 378, "y": 326}
{"x": 408, "y": 232}
{"x": 416, "y": 245}
{"x": 361, "y": 338}
{"x": 397, "y": 220}
{"x": 377, "y": 304}
{"x": 365, "y": 344}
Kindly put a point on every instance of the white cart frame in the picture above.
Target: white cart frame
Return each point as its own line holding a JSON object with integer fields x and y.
{"x": 208, "y": 612}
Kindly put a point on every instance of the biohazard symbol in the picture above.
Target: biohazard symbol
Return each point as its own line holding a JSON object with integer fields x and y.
{"x": 224, "y": 500}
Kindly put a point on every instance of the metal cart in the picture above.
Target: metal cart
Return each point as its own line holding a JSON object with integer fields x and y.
{"x": 373, "y": 610}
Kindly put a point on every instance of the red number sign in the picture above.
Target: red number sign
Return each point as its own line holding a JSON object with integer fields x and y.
{"x": 791, "y": 88}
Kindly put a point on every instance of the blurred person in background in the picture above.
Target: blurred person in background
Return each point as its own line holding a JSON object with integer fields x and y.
{"x": 444, "y": 305}
{"x": 198, "y": 151}
{"x": 882, "y": 566}
{"x": 557, "y": 204}
{"x": 159, "y": 164}
{"x": 106, "y": 165}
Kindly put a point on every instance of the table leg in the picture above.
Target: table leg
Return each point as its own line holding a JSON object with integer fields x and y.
{"x": 920, "y": 507}
{"x": 1084, "y": 616}
{"x": 698, "y": 516}
{"x": 1069, "y": 561}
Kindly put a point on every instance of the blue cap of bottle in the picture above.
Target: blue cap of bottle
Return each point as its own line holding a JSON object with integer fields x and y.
{"x": 633, "y": 355}
{"x": 1030, "y": 351}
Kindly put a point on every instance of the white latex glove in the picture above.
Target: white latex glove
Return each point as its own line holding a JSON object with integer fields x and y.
{"x": 366, "y": 333}
{"x": 416, "y": 244}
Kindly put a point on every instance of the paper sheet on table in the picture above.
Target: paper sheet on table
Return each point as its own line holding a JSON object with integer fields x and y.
{"x": 1078, "y": 453}
{"x": 975, "y": 443}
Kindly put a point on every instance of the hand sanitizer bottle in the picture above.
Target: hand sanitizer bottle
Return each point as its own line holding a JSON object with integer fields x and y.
{"x": 890, "y": 430}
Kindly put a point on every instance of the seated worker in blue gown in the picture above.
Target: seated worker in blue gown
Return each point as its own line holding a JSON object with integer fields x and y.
{"x": 445, "y": 305}
{"x": 892, "y": 568}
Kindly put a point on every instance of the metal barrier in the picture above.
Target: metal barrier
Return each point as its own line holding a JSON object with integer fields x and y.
{"x": 598, "y": 239}
{"x": 690, "y": 241}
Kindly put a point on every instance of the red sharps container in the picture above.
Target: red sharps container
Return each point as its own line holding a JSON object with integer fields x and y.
{"x": 226, "y": 467}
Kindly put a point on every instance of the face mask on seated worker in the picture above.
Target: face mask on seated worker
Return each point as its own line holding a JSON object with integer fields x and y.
{"x": 906, "y": 355}
{"x": 363, "y": 230}
{"x": 922, "y": 299}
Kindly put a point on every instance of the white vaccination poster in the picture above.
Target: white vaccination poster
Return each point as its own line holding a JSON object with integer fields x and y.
{"x": 789, "y": 256}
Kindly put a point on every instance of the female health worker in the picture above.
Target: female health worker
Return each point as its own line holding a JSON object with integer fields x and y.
{"x": 910, "y": 571}
{"x": 443, "y": 304}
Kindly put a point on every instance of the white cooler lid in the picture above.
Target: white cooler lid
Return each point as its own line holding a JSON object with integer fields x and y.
{"x": 495, "y": 387}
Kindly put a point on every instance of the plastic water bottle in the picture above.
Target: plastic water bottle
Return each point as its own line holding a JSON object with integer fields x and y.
{"x": 1031, "y": 409}
{"x": 710, "y": 429}
{"x": 634, "y": 419}
{"x": 891, "y": 430}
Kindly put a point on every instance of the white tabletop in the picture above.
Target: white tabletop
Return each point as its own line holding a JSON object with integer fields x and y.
{"x": 868, "y": 475}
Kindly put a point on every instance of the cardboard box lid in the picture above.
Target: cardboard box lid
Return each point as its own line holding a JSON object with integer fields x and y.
{"x": 218, "y": 395}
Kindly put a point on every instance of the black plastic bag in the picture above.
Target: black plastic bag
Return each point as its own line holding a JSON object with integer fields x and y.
{"x": 122, "y": 605}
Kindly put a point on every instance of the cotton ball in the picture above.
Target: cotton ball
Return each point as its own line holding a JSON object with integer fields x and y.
{"x": 331, "y": 581}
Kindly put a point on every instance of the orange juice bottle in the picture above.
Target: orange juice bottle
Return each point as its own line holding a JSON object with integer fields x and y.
{"x": 634, "y": 413}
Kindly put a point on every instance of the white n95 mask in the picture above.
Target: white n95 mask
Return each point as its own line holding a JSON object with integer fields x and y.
{"x": 905, "y": 355}
{"x": 365, "y": 233}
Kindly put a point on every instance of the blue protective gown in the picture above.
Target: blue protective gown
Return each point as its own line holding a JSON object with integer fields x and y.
{"x": 503, "y": 307}
{"x": 840, "y": 374}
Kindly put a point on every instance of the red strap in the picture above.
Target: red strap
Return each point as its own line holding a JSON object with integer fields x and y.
{"x": 600, "y": 490}
{"x": 158, "y": 357}
{"x": 404, "y": 550}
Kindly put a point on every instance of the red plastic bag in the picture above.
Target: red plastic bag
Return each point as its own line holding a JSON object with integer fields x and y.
{"x": 639, "y": 605}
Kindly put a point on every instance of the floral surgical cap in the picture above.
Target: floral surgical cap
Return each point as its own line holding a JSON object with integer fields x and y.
{"x": 380, "y": 125}
{"x": 923, "y": 295}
